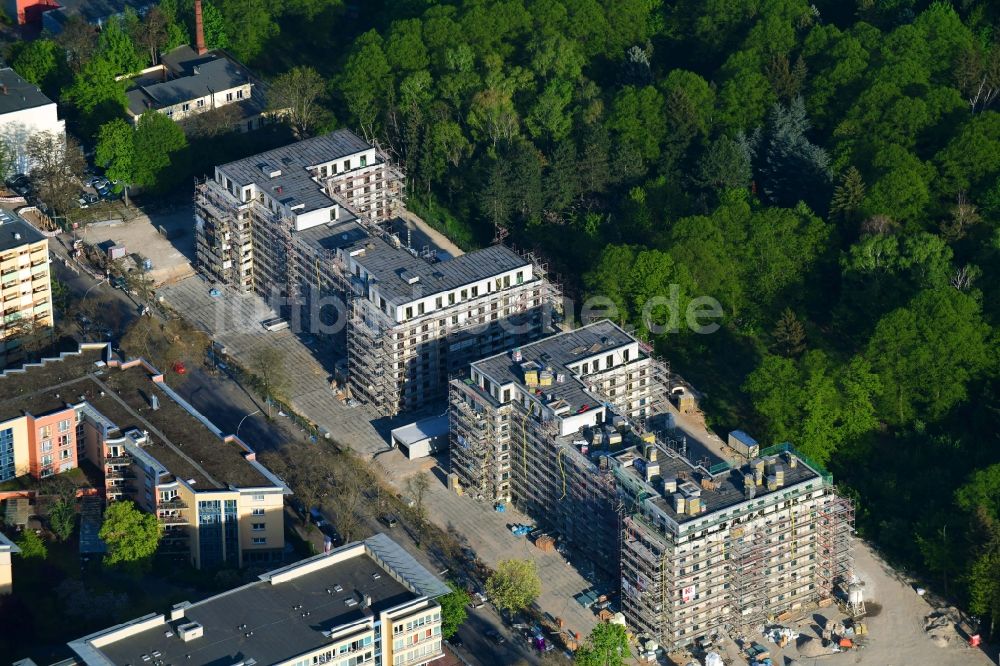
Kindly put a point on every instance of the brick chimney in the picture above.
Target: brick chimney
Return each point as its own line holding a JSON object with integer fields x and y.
{"x": 199, "y": 30}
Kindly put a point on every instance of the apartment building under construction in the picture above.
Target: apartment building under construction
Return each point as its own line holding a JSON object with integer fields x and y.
{"x": 414, "y": 323}
{"x": 292, "y": 224}
{"x": 524, "y": 422}
{"x": 577, "y": 430}
{"x": 248, "y": 213}
{"x": 704, "y": 550}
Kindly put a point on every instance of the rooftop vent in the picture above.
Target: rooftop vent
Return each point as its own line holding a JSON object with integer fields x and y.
{"x": 268, "y": 170}
{"x": 17, "y": 236}
{"x": 190, "y": 631}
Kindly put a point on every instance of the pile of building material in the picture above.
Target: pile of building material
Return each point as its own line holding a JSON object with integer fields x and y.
{"x": 939, "y": 625}
{"x": 545, "y": 543}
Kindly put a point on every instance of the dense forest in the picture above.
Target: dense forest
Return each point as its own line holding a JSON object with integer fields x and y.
{"x": 828, "y": 171}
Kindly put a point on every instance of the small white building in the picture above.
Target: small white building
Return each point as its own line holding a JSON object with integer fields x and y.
{"x": 422, "y": 438}
{"x": 24, "y": 111}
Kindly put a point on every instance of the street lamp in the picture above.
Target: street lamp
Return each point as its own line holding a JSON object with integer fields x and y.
{"x": 237, "y": 434}
{"x": 87, "y": 293}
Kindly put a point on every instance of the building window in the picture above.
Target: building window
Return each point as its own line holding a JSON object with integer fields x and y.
{"x": 364, "y": 160}
{"x": 258, "y": 498}
{"x": 259, "y": 527}
{"x": 258, "y": 512}
{"x": 239, "y": 94}
{"x": 200, "y": 103}
{"x": 63, "y": 440}
{"x": 47, "y": 445}
{"x": 170, "y": 113}
{"x": 64, "y": 425}
{"x": 347, "y": 165}
{"x": 409, "y": 313}
{"x": 65, "y": 454}
{"x": 45, "y": 432}
{"x": 46, "y": 460}
{"x": 185, "y": 106}
{"x": 259, "y": 541}
{"x": 229, "y": 97}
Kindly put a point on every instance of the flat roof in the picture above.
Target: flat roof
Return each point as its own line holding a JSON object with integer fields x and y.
{"x": 287, "y": 614}
{"x": 418, "y": 431}
{"x": 19, "y": 94}
{"x": 296, "y": 182}
{"x": 726, "y": 489}
{"x": 181, "y": 439}
{"x": 393, "y": 267}
{"x": 559, "y": 351}
{"x": 16, "y": 231}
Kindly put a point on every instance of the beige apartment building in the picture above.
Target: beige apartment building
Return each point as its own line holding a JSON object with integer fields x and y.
{"x": 366, "y": 603}
{"x": 25, "y": 285}
{"x": 217, "y": 504}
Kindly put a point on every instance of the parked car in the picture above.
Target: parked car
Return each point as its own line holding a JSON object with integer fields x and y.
{"x": 88, "y": 199}
{"x": 388, "y": 520}
{"x": 179, "y": 368}
{"x": 496, "y": 637}
{"x": 20, "y": 183}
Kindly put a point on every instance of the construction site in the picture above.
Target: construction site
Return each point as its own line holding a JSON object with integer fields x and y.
{"x": 579, "y": 431}
{"x": 306, "y": 226}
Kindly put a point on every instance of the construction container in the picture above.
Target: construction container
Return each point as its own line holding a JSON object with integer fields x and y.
{"x": 530, "y": 377}
{"x": 679, "y": 503}
{"x": 694, "y": 506}
{"x": 545, "y": 543}
{"x": 546, "y": 378}
{"x": 743, "y": 444}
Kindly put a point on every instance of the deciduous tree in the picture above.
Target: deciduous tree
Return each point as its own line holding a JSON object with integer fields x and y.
{"x": 607, "y": 645}
{"x": 32, "y": 547}
{"x": 131, "y": 535}
{"x": 514, "y": 585}
{"x": 296, "y": 96}
{"x": 57, "y": 165}
{"x": 454, "y": 610}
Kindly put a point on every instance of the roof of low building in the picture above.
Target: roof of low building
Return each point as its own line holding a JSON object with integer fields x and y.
{"x": 16, "y": 94}
{"x": 418, "y": 431}
{"x": 282, "y": 615}
{"x": 213, "y": 74}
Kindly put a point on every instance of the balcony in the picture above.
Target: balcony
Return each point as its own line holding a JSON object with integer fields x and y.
{"x": 175, "y": 503}
{"x": 118, "y": 460}
{"x": 174, "y": 520}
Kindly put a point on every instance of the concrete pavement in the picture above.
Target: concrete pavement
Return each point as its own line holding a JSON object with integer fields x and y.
{"x": 234, "y": 321}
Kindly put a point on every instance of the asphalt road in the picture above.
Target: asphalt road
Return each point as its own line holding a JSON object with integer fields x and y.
{"x": 209, "y": 391}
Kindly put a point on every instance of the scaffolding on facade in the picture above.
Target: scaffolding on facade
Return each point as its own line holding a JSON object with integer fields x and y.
{"x": 835, "y": 526}
{"x": 745, "y": 550}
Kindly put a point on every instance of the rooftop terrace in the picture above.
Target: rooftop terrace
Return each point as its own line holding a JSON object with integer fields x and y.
{"x": 715, "y": 492}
